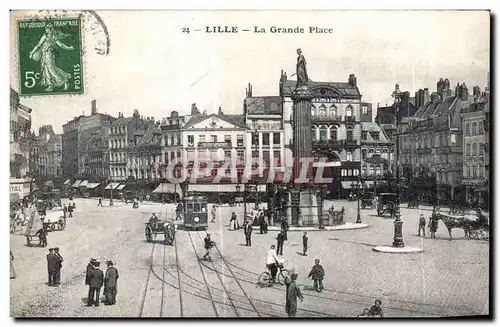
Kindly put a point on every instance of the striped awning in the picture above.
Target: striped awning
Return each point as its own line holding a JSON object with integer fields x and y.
{"x": 93, "y": 185}
{"x": 84, "y": 183}
{"x": 76, "y": 183}
{"x": 67, "y": 182}
{"x": 167, "y": 188}
{"x": 111, "y": 186}
{"x": 120, "y": 187}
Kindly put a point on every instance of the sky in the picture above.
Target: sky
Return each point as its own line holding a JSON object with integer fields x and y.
{"x": 154, "y": 67}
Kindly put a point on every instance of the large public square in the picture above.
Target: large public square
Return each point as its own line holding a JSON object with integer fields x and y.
{"x": 449, "y": 278}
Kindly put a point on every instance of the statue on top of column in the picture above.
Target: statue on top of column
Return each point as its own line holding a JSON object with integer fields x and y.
{"x": 302, "y": 78}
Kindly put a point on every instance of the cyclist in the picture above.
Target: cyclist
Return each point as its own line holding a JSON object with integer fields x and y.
{"x": 273, "y": 262}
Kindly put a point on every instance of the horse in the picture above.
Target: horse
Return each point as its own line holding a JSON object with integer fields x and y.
{"x": 451, "y": 223}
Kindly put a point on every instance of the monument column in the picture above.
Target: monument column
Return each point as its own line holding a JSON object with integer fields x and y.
{"x": 304, "y": 204}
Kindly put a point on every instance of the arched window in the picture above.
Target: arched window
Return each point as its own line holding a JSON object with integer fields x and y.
{"x": 480, "y": 128}
{"x": 467, "y": 129}
{"x": 348, "y": 111}
{"x": 479, "y": 171}
{"x": 466, "y": 171}
{"x": 474, "y": 128}
{"x": 313, "y": 110}
{"x": 333, "y": 133}
{"x": 322, "y": 112}
{"x": 349, "y": 156}
{"x": 333, "y": 111}
{"x": 313, "y": 134}
{"x": 474, "y": 149}
{"x": 363, "y": 154}
{"x": 323, "y": 133}
{"x": 349, "y": 172}
{"x": 370, "y": 151}
{"x": 343, "y": 172}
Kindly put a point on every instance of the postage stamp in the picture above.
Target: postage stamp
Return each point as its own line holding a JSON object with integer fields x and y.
{"x": 50, "y": 56}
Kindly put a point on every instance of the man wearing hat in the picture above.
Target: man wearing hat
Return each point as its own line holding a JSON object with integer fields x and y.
{"x": 208, "y": 245}
{"x": 90, "y": 267}
{"x": 96, "y": 281}
{"x": 59, "y": 265}
{"x": 52, "y": 264}
{"x": 110, "y": 284}
{"x": 292, "y": 293}
{"x": 421, "y": 224}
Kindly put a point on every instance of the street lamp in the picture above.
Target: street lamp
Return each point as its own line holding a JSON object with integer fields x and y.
{"x": 357, "y": 187}
{"x": 398, "y": 223}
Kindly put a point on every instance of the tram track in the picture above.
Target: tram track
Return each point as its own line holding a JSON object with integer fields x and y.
{"x": 143, "y": 300}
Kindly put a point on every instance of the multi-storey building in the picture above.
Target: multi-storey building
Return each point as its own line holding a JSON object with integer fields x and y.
{"x": 474, "y": 144}
{"x": 49, "y": 156}
{"x": 336, "y": 112}
{"x": 20, "y": 148}
{"x": 70, "y": 148}
{"x": 431, "y": 144}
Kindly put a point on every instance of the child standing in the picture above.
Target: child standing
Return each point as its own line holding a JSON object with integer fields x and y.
{"x": 317, "y": 273}
{"x": 304, "y": 243}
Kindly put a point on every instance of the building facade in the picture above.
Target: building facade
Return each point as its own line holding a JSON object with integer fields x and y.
{"x": 49, "y": 156}
{"x": 475, "y": 161}
{"x": 70, "y": 148}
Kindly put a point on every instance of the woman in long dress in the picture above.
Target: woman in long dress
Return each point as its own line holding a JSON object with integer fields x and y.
{"x": 44, "y": 51}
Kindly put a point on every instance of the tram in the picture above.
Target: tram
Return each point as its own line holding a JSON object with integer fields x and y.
{"x": 195, "y": 212}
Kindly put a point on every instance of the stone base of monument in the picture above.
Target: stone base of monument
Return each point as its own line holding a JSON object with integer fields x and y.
{"x": 393, "y": 249}
{"x": 308, "y": 215}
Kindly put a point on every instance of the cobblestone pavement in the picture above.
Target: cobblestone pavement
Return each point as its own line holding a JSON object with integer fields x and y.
{"x": 449, "y": 278}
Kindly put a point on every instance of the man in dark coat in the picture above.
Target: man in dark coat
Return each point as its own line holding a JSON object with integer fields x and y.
{"x": 70, "y": 211}
{"x": 65, "y": 211}
{"x": 248, "y": 233}
{"x": 42, "y": 236}
{"x": 110, "y": 284}
{"x": 236, "y": 225}
{"x": 100, "y": 202}
{"x": 208, "y": 245}
{"x": 285, "y": 226}
{"x": 90, "y": 267}
{"x": 421, "y": 224}
{"x": 59, "y": 265}
{"x": 96, "y": 281}
{"x": 292, "y": 293}
{"x": 280, "y": 240}
{"x": 317, "y": 274}
{"x": 305, "y": 240}
{"x": 52, "y": 265}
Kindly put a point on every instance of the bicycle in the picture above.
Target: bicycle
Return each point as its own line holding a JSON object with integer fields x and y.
{"x": 266, "y": 280}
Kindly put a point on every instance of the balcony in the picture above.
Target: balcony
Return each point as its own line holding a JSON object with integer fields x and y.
{"x": 326, "y": 118}
{"x": 350, "y": 143}
{"x": 423, "y": 151}
{"x": 327, "y": 143}
{"x": 350, "y": 119}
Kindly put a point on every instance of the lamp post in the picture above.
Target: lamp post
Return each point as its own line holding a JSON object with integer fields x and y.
{"x": 398, "y": 223}
{"x": 357, "y": 187}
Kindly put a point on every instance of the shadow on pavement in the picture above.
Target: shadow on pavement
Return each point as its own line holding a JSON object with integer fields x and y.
{"x": 360, "y": 243}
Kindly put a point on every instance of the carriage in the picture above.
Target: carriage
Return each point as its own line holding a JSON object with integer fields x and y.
{"x": 478, "y": 229}
{"x": 195, "y": 212}
{"x": 167, "y": 228}
{"x": 368, "y": 201}
{"x": 335, "y": 217}
{"x": 54, "y": 219}
{"x": 413, "y": 203}
{"x": 386, "y": 203}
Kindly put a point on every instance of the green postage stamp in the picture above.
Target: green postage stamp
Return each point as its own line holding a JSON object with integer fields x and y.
{"x": 50, "y": 56}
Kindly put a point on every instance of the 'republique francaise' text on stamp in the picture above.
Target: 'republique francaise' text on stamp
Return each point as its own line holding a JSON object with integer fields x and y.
{"x": 50, "y": 56}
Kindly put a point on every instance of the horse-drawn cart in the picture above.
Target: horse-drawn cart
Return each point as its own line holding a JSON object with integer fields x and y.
{"x": 368, "y": 201}
{"x": 386, "y": 203}
{"x": 167, "y": 228}
{"x": 54, "y": 219}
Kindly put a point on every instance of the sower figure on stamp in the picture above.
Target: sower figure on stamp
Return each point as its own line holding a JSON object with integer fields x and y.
{"x": 45, "y": 52}
{"x": 110, "y": 284}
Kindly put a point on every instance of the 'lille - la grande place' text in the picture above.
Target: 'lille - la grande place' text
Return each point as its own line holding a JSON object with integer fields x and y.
{"x": 272, "y": 29}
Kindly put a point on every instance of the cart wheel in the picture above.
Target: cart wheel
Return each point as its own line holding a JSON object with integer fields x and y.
{"x": 149, "y": 234}
{"x": 284, "y": 273}
{"x": 52, "y": 227}
{"x": 169, "y": 238}
{"x": 265, "y": 279}
{"x": 62, "y": 223}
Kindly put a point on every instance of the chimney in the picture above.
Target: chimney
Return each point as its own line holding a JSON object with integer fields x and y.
{"x": 427, "y": 96}
{"x": 352, "y": 80}
{"x": 136, "y": 113}
{"x": 464, "y": 92}
{"x": 94, "y": 107}
{"x": 220, "y": 111}
{"x": 194, "y": 110}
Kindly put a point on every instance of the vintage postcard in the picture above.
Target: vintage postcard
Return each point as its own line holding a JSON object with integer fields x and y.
{"x": 250, "y": 164}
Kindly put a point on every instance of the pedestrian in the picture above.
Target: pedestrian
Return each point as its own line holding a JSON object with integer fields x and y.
{"x": 178, "y": 212}
{"x": 262, "y": 222}
{"x": 208, "y": 245}
{"x": 421, "y": 224}
{"x": 110, "y": 284}
{"x": 280, "y": 240}
{"x": 285, "y": 226}
{"x": 317, "y": 274}
{"x": 96, "y": 281}
{"x": 248, "y": 233}
{"x": 52, "y": 265}
{"x": 304, "y": 243}
{"x": 100, "y": 202}
{"x": 70, "y": 210}
{"x": 42, "y": 237}
{"x": 65, "y": 210}
{"x": 213, "y": 213}
{"x": 272, "y": 263}
{"x": 12, "y": 271}
{"x": 59, "y": 266}
{"x": 433, "y": 225}
{"x": 376, "y": 310}
{"x": 292, "y": 293}
{"x": 88, "y": 271}
{"x": 234, "y": 221}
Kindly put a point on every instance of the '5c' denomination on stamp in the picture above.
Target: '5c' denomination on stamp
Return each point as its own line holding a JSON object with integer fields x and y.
{"x": 50, "y": 56}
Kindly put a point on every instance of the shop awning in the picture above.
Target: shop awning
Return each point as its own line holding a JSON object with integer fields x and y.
{"x": 84, "y": 183}
{"x": 346, "y": 185}
{"x": 208, "y": 188}
{"x": 120, "y": 187}
{"x": 167, "y": 188}
{"x": 111, "y": 186}
{"x": 369, "y": 184}
{"x": 326, "y": 164}
{"x": 76, "y": 183}
{"x": 67, "y": 182}
{"x": 93, "y": 185}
